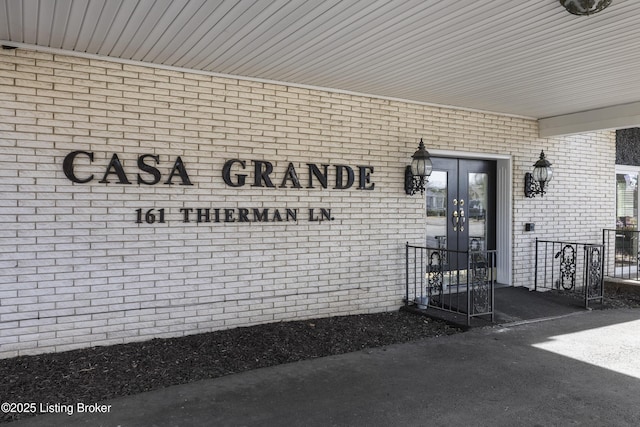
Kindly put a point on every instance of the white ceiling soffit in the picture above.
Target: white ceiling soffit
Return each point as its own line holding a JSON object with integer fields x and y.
{"x": 527, "y": 58}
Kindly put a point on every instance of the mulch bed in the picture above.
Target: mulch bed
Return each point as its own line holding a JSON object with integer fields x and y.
{"x": 613, "y": 298}
{"x": 622, "y": 299}
{"x": 101, "y": 373}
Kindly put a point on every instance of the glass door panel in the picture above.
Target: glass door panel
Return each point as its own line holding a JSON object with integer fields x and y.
{"x": 437, "y": 210}
{"x": 477, "y": 211}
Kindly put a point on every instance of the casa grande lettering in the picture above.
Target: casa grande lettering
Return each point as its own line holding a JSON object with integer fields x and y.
{"x": 235, "y": 173}
{"x": 343, "y": 176}
{"x": 115, "y": 167}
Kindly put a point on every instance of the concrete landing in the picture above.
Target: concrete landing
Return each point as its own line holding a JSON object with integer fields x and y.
{"x": 521, "y": 304}
{"x": 513, "y": 305}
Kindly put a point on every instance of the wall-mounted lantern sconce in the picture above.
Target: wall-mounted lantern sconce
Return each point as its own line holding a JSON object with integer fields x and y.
{"x": 542, "y": 173}
{"x": 416, "y": 175}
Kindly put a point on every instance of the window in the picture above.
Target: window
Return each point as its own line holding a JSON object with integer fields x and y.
{"x": 627, "y": 197}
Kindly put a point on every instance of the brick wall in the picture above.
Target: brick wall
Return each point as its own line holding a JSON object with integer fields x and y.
{"x": 76, "y": 269}
{"x": 580, "y": 201}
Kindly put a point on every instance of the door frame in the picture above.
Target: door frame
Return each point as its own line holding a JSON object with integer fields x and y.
{"x": 504, "y": 207}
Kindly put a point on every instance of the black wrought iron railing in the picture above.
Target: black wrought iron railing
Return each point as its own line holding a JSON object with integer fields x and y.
{"x": 570, "y": 267}
{"x": 466, "y": 290}
{"x": 622, "y": 259}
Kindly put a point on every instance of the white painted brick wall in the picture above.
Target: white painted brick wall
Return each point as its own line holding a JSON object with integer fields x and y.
{"x": 76, "y": 270}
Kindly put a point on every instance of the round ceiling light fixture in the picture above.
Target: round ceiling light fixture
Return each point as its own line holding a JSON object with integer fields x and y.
{"x": 584, "y": 7}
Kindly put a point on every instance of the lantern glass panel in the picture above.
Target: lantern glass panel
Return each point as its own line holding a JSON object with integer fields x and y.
{"x": 542, "y": 174}
{"x": 421, "y": 166}
{"x": 417, "y": 167}
{"x": 428, "y": 167}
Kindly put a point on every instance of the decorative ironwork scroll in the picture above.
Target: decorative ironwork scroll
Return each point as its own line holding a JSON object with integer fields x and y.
{"x": 436, "y": 276}
{"x": 594, "y": 277}
{"x": 480, "y": 283}
{"x": 567, "y": 267}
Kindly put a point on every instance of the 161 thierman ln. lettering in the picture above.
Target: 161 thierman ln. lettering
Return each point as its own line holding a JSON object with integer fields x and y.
{"x": 204, "y": 215}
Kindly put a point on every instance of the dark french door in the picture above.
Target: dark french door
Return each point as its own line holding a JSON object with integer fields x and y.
{"x": 461, "y": 207}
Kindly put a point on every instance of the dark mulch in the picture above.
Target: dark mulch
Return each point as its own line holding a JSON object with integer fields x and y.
{"x": 613, "y": 298}
{"x": 621, "y": 298}
{"x": 101, "y": 373}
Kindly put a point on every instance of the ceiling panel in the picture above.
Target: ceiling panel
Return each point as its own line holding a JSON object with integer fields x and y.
{"x": 529, "y": 58}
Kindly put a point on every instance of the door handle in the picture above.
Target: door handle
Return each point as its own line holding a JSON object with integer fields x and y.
{"x": 458, "y": 220}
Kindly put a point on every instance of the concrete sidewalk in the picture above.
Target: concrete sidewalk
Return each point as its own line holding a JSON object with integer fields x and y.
{"x": 579, "y": 369}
